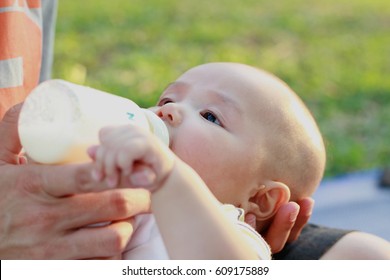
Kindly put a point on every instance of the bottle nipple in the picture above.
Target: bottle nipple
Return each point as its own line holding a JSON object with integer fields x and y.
{"x": 157, "y": 126}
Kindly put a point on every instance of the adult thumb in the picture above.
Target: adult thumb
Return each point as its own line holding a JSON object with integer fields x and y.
{"x": 10, "y": 144}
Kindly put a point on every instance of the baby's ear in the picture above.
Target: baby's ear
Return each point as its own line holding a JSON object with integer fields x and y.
{"x": 269, "y": 198}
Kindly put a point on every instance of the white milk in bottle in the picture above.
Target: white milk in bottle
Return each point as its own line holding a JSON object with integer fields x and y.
{"x": 59, "y": 120}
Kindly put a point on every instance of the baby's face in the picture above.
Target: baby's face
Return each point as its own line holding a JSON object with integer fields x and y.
{"x": 212, "y": 119}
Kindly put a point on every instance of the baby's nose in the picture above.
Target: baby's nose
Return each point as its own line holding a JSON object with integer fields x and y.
{"x": 171, "y": 113}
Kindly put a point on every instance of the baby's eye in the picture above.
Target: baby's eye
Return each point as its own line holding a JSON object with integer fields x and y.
{"x": 211, "y": 117}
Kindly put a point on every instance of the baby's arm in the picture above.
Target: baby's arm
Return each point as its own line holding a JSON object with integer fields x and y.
{"x": 191, "y": 220}
{"x": 189, "y": 217}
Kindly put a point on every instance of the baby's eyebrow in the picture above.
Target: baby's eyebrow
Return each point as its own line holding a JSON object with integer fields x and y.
{"x": 182, "y": 88}
{"x": 178, "y": 89}
{"x": 225, "y": 99}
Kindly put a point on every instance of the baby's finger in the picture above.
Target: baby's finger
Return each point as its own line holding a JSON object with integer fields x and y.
{"x": 98, "y": 170}
{"x": 105, "y": 133}
{"x": 91, "y": 151}
{"x": 125, "y": 160}
{"x": 110, "y": 168}
{"x": 142, "y": 176}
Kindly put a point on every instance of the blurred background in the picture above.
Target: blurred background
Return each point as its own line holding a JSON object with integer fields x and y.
{"x": 334, "y": 53}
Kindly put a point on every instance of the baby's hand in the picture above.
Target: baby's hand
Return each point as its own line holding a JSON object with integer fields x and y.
{"x": 132, "y": 153}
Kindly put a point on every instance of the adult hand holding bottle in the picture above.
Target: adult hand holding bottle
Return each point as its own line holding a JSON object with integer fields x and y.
{"x": 45, "y": 208}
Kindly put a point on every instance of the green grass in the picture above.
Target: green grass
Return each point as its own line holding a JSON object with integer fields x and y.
{"x": 334, "y": 53}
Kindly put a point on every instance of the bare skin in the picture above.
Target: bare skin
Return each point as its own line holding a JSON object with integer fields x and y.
{"x": 63, "y": 195}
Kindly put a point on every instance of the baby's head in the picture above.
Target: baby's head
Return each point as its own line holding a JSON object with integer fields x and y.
{"x": 246, "y": 133}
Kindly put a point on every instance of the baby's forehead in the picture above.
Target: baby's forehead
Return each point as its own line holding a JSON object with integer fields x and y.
{"x": 256, "y": 93}
{"x": 251, "y": 88}
{"x": 238, "y": 79}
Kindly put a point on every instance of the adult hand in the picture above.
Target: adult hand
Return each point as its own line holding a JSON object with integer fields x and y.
{"x": 288, "y": 223}
{"x": 44, "y": 209}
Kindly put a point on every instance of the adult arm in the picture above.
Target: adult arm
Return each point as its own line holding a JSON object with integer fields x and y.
{"x": 359, "y": 246}
{"x": 44, "y": 209}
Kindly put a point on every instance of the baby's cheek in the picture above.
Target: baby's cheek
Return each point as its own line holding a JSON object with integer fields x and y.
{"x": 196, "y": 151}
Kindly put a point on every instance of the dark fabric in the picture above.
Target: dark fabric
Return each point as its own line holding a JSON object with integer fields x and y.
{"x": 384, "y": 180}
{"x": 313, "y": 242}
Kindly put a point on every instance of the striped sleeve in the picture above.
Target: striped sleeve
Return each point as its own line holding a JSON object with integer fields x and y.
{"x": 21, "y": 50}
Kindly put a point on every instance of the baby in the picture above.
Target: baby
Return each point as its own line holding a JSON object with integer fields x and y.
{"x": 239, "y": 136}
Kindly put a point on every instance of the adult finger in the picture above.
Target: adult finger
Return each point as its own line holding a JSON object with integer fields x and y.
{"x": 91, "y": 208}
{"x": 279, "y": 231}
{"x": 92, "y": 242}
{"x": 10, "y": 144}
{"x": 59, "y": 180}
{"x": 306, "y": 208}
{"x": 63, "y": 180}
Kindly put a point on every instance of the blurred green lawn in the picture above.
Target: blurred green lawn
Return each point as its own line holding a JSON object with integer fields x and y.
{"x": 334, "y": 53}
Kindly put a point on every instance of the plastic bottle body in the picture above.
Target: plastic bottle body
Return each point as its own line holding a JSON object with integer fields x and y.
{"x": 59, "y": 120}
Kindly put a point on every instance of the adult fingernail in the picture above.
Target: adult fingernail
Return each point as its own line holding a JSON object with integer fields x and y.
{"x": 294, "y": 215}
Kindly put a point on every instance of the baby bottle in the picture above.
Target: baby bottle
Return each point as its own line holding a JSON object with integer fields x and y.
{"x": 59, "y": 120}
